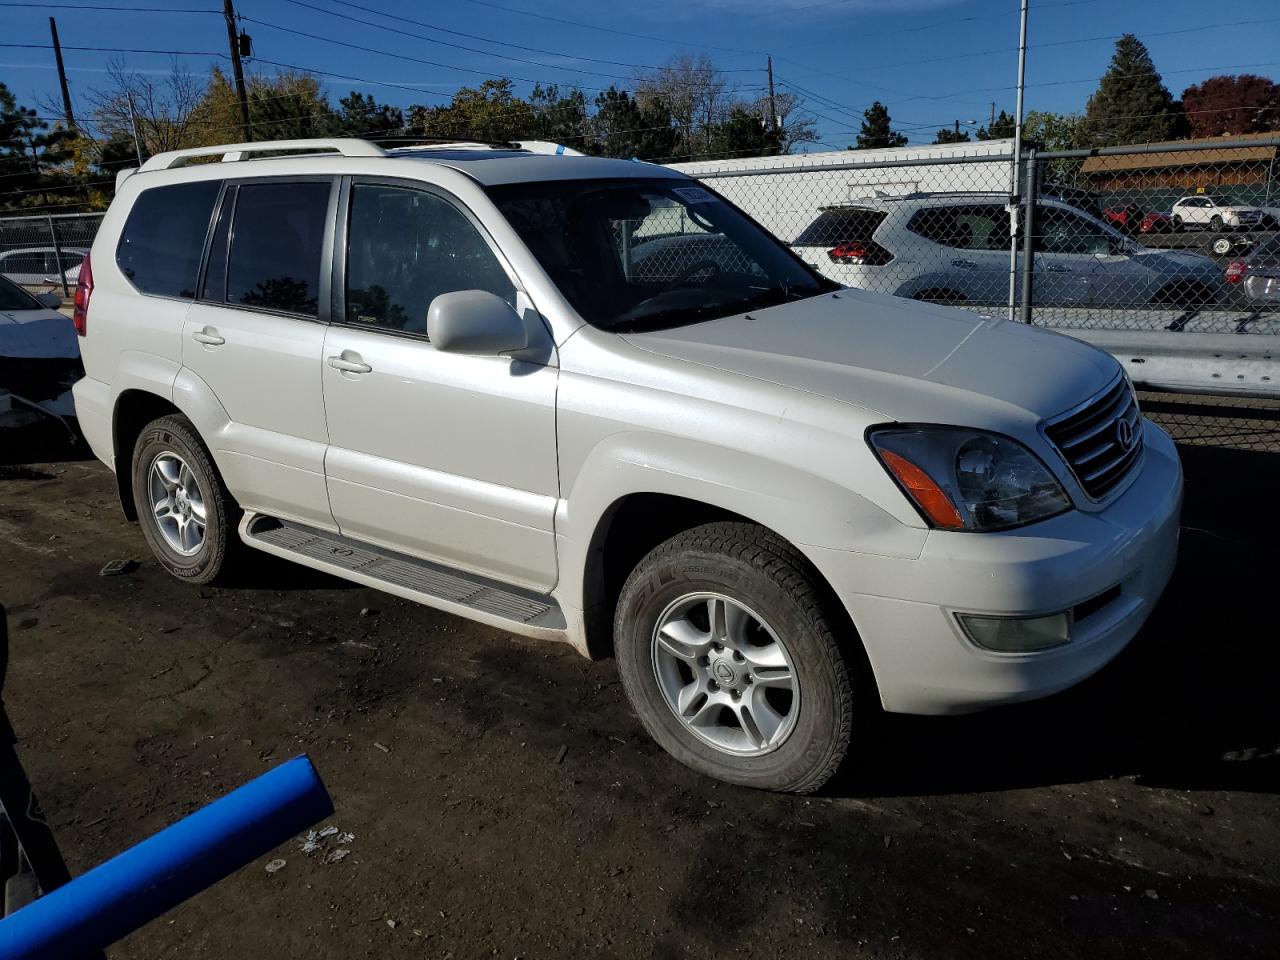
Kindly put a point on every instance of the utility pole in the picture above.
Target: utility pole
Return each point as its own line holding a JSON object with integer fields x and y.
{"x": 62, "y": 76}
{"x": 228, "y": 11}
{"x": 773, "y": 109}
{"x": 1015, "y": 198}
{"x": 993, "y": 115}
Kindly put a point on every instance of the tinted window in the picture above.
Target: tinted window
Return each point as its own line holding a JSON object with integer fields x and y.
{"x": 405, "y": 248}
{"x": 1060, "y": 231}
{"x": 276, "y": 240}
{"x": 24, "y": 263}
{"x": 13, "y": 297}
{"x": 834, "y": 227}
{"x": 163, "y": 238}
{"x": 215, "y": 272}
{"x": 964, "y": 228}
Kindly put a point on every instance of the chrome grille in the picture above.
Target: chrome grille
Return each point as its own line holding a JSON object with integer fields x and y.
{"x": 1090, "y": 438}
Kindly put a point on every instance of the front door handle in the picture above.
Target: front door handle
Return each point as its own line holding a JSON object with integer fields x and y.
{"x": 964, "y": 264}
{"x": 209, "y": 337}
{"x": 1057, "y": 268}
{"x": 349, "y": 362}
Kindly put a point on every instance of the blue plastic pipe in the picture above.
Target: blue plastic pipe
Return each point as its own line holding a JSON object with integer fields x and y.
{"x": 114, "y": 899}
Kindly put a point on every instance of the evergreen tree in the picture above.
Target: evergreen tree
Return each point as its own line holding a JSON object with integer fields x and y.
{"x": 951, "y": 135}
{"x": 628, "y": 130}
{"x": 877, "y": 130}
{"x": 744, "y": 133}
{"x": 1002, "y": 128}
{"x": 360, "y": 115}
{"x": 1132, "y": 104}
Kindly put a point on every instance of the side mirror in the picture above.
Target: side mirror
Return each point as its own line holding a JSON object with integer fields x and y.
{"x": 475, "y": 322}
{"x": 50, "y": 299}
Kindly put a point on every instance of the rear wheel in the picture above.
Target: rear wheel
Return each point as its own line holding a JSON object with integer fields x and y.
{"x": 186, "y": 514}
{"x": 1178, "y": 223}
{"x": 728, "y": 651}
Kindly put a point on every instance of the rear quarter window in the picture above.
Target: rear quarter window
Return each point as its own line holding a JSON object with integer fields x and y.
{"x": 834, "y": 227}
{"x": 163, "y": 238}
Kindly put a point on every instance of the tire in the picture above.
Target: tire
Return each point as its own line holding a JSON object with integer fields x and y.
{"x": 1215, "y": 223}
{"x": 1222, "y": 245}
{"x": 164, "y": 446}
{"x": 765, "y": 585}
{"x": 1178, "y": 225}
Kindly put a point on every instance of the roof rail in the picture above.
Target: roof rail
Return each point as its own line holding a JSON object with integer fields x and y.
{"x": 347, "y": 147}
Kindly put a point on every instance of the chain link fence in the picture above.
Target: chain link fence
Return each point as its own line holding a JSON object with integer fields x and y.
{"x": 44, "y": 253}
{"x": 1160, "y": 254}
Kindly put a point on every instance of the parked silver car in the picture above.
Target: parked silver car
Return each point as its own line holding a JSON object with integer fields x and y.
{"x": 954, "y": 248}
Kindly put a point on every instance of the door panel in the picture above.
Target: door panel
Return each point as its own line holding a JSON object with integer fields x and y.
{"x": 256, "y": 341}
{"x": 439, "y": 455}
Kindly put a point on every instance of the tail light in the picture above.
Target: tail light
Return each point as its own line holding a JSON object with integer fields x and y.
{"x": 858, "y": 253}
{"x": 1237, "y": 270}
{"x": 84, "y": 289}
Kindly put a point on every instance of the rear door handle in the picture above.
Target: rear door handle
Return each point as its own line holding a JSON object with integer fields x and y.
{"x": 964, "y": 264}
{"x": 209, "y": 337}
{"x": 349, "y": 362}
{"x": 1057, "y": 268}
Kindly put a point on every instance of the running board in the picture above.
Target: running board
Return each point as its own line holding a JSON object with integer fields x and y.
{"x": 435, "y": 585}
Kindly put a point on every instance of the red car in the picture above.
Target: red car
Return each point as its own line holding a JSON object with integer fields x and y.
{"x": 1130, "y": 218}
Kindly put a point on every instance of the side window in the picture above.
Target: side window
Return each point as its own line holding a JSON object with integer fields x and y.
{"x": 276, "y": 239}
{"x": 964, "y": 228}
{"x": 163, "y": 237}
{"x": 405, "y": 247}
{"x": 1060, "y": 231}
{"x": 215, "y": 273}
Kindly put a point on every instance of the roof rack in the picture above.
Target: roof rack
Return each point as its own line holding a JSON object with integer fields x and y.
{"x": 347, "y": 147}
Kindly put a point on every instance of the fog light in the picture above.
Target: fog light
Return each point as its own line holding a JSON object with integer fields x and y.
{"x": 1017, "y": 634}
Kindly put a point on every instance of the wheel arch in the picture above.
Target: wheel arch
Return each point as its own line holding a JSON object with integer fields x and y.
{"x": 134, "y": 409}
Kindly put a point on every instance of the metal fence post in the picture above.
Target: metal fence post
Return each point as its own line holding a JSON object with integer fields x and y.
{"x": 57, "y": 254}
{"x": 1028, "y": 235}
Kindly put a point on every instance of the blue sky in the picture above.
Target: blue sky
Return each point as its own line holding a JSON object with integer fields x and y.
{"x": 931, "y": 61}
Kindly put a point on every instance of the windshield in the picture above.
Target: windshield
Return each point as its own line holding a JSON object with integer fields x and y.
{"x": 13, "y": 297}
{"x": 637, "y": 254}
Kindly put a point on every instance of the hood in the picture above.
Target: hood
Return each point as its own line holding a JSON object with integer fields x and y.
{"x": 903, "y": 359}
{"x": 37, "y": 335}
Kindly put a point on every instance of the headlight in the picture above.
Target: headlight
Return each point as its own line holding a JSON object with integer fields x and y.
{"x": 962, "y": 479}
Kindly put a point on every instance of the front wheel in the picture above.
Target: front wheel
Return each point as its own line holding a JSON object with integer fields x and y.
{"x": 186, "y": 514}
{"x": 1215, "y": 222}
{"x": 729, "y": 652}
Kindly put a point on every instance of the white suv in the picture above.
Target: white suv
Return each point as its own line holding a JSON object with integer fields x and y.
{"x": 1215, "y": 213}
{"x": 589, "y": 400}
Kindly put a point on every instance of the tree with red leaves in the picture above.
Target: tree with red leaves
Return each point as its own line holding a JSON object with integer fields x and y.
{"x": 1232, "y": 105}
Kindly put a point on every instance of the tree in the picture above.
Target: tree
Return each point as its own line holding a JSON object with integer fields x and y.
{"x": 1002, "y": 128}
{"x": 624, "y": 128}
{"x": 696, "y": 96}
{"x": 952, "y": 135}
{"x": 1131, "y": 104}
{"x": 794, "y": 126}
{"x": 35, "y": 161}
{"x": 360, "y": 115}
{"x": 561, "y": 117}
{"x": 166, "y": 111}
{"x": 1052, "y": 131}
{"x": 491, "y": 111}
{"x": 1232, "y": 105}
{"x": 744, "y": 133}
{"x": 877, "y": 131}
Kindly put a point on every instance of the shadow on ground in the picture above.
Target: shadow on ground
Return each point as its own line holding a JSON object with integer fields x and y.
{"x": 1190, "y": 704}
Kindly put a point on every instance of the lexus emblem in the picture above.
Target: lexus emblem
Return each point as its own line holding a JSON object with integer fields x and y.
{"x": 1124, "y": 434}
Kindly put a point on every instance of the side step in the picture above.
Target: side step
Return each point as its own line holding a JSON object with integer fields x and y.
{"x": 479, "y": 598}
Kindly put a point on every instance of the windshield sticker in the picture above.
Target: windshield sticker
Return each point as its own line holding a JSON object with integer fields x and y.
{"x": 694, "y": 194}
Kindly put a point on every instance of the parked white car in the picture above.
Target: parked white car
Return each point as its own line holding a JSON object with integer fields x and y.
{"x": 954, "y": 248}
{"x": 1215, "y": 212}
{"x": 473, "y": 377}
{"x": 35, "y": 266}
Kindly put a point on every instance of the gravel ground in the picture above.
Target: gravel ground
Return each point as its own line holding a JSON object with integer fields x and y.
{"x": 505, "y": 802}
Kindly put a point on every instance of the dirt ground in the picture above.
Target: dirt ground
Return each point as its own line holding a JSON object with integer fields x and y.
{"x": 518, "y": 809}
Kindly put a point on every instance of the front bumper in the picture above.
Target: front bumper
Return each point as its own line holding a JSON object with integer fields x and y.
{"x": 904, "y": 610}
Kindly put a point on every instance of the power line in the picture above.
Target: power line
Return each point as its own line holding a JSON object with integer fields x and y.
{"x": 456, "y": 33}
{"x": 98, "y": 6}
